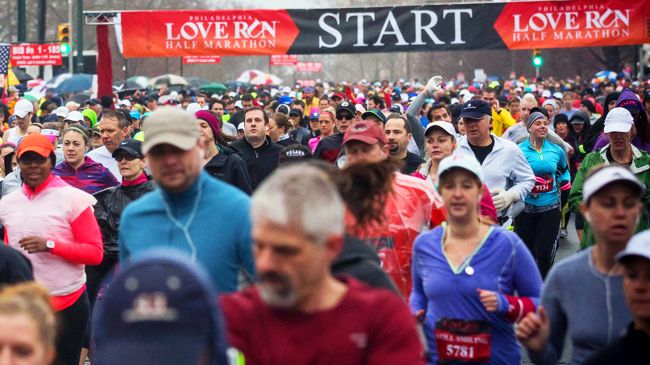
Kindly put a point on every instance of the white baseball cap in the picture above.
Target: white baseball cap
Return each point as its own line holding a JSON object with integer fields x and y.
{"x": 607, "y": 176}
{"x": 23, "y": 107}
{"x": 238, "y": 104}
{"x": 465, "y": 94}
{"x": 557, "y": 95}
{"x": 192, "y": 108}
{"x": 618, "y": 120}
{"x": 639, "y": 245}
{"x": 359, "y": 108}
{"x": 75, "y": 116}
{"x": 445, "y": 126}
{"x": 286, "y": 89}
{"x": 61, "y": 111}
{"x": 125, "y": 103}
{"x": 464, "y": 161}
{"x": 240, "y": 127}
{"x": 546, "y": 93}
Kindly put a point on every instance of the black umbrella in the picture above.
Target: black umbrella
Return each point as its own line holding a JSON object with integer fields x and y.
{"x": 21, "y": 75}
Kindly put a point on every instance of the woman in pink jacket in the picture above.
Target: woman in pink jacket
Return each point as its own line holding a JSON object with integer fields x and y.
{"x": 53, "y": 225}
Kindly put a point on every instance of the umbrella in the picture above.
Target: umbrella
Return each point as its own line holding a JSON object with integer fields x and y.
{"x": 266, "y": 79}
{"x": 168, "y": 79}
{"x": 605, "y": 75}
{"x": 213, "y": 88}
{"x": 197, "y": 82}
{"x": 18, "y": 76}
{"x": 57, "y": 80}
{"x": 80, "y": 98}
{"x": 76, "y": 83}
{"x": 257, "y": 77}
{"x": 249, "y": 75}
{"x": 142, "y": 81}
{"x": 127, "y": 85}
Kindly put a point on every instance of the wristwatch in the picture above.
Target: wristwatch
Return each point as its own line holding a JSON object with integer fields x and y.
{"x": 49, "y": 244}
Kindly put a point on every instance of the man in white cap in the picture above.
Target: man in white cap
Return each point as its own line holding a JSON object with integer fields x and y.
{"x": 23, "y": 111}
{"x": 180, "y": 214}
{"x": 619, "y": 127}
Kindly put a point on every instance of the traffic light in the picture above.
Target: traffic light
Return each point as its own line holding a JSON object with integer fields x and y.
{"x": 63, "y": 35}
{"x": 537, "y": 59}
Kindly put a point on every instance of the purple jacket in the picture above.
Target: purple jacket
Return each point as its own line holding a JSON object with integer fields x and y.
{"x": 90, "y": 177}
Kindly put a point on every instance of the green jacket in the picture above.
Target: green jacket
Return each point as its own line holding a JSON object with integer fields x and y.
{"x": 640, "y": 167}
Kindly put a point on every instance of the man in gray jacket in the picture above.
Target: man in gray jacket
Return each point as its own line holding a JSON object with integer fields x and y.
{"x": 505, "y": 169}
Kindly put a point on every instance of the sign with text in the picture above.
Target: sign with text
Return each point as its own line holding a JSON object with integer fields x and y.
{"x": 309, "y": 67}
{"x": 36, "y": 54}
{"x": 201, "y": 60}
{"x": 283, "y": 60}
{"x": 520, "y": 25}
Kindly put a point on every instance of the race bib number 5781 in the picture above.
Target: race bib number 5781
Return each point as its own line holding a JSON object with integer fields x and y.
{"x": 462, "y": 341}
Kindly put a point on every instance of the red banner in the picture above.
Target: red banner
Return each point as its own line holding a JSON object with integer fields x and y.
{"x": 35, "y": 54}
{"x": 178, "y": 33}
{"x": 283, "y": 60}
{"x": 201, "y": 60}
{"x": 309, "y": 67}
{"x": 566, "y": 24}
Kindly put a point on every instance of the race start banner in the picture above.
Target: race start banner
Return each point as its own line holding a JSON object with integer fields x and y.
{"x": 521, "y": 25}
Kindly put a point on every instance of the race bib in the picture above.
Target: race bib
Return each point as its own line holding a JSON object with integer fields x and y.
{"x": 543, "y": 187}
{"x": 463, "y": 341}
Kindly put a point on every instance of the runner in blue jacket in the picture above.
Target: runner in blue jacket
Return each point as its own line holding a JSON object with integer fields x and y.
{"x": 465, "y": 275}
{"x": 539, "y": 223}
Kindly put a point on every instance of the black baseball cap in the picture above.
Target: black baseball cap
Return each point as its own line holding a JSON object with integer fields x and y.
{"x": 131, "y": 147}
{"x": 295, "y": 111}
{"x": 93, "y": 101}
{"x": 295, "y": 153}
{"x": 475, "y": 109}
{"x": 346, "y": 106}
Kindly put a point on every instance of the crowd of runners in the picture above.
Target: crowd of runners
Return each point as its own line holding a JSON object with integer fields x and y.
{"x": 353, "y": 223}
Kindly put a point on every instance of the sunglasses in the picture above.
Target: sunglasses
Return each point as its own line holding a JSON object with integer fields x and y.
{"x": 344, "y": 116}
{"x": 30, "y": 158}
{"x": 124, "y": 156}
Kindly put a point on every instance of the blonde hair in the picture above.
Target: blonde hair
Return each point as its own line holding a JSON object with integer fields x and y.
{"x": 33, "y": 300}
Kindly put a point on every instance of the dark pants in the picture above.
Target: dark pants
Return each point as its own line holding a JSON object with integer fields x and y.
{"x": 72, "y": 329}
{"x": 539, "y": 231}
{"x": 95, "y": 275}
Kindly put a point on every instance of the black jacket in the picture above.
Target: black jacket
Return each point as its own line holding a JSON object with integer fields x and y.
{"x": 329, "y": 148}
{"x": 261, "y": 161}
{"x": 228, "y": 166}
{"x": 360, "y": 261}
{"x": 411, "y": 164}
{"x": 108, "y": 209}
{"x": 631, "y": 349}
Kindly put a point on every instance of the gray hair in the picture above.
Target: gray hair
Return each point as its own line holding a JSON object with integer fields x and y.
{"x": 303, "y": 195}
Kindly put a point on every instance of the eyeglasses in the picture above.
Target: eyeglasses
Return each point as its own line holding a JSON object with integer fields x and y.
{"x": 344, "y": 116}
{"x": 124, "y": 156}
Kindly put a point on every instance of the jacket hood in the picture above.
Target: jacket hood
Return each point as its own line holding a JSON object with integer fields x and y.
{"x": 90, "y": 114}
{"x": 629, "y": 100}
{"x": 355, "y": 249}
